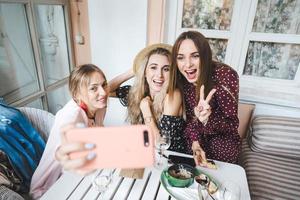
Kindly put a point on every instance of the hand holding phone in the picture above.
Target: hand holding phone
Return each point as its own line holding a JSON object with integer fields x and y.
{"x": 66, "y": 148}
{"x": 116, "y": 147}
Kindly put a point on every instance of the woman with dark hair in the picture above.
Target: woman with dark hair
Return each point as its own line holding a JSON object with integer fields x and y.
{"x": 210, "y": 92}
{"x": 89, "y": 90}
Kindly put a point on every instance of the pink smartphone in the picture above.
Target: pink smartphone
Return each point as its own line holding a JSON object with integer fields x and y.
{"x": 116, "y": 147}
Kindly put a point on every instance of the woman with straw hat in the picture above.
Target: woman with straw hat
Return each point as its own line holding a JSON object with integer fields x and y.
{"x": 148, "y": 99}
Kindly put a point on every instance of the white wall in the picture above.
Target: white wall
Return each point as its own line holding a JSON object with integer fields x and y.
{"x": 118, "y": 31}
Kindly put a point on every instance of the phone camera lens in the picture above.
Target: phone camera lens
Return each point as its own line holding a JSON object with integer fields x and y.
{"x": 146, "y": 138}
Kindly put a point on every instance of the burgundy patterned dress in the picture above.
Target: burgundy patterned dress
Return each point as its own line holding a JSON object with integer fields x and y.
{"x": 219, "y": 137}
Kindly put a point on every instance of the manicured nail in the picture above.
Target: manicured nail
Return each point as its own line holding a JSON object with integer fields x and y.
{"x": 91, "y": 156}
{"x": 80, "y": 125}
{"x": 89, "y": 146}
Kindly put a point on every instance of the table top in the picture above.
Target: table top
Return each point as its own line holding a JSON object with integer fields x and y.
{"x": 72, "y": 186}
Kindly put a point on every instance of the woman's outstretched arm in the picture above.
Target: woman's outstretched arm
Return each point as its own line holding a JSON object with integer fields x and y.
{"x": 118, "y": 80}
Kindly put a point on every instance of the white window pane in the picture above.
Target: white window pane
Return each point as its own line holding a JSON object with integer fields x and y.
{"x": 277, "y": 16}
{"x": 218, "y": 48}
{"x": 35, "y": 104}
{"x": 58, "y": 98}
{"x": 207, "y": 14}
{"x": 17, "y": 65}
{"x": 273, "y": 60}
{"x": 53, "y": 42}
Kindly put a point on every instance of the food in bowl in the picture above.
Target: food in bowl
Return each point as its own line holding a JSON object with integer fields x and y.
{"x": 180, "y": 175}
{"x": 206, "y": 182}
{"x": 202, "y": 179}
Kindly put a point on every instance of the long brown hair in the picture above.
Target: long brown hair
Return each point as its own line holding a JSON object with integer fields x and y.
{"x": 140, "y": 89}
{"x": 206, "y": 64}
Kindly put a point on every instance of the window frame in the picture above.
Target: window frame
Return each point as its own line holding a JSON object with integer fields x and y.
{"x": 33, "y": 31}
{"x": 274, "y": 91}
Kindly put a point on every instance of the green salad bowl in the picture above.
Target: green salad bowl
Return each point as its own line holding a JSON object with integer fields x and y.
{"x": 180, "y": 175}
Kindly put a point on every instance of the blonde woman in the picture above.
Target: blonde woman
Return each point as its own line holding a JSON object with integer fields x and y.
{"x": 148, "y": 99}
{"x": 89, "y": 90}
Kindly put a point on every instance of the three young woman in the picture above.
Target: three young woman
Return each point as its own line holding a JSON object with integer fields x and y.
{"x": 210, "y": 100}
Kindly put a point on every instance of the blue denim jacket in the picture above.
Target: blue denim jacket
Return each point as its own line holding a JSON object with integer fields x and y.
{"x": 22, "y": 144}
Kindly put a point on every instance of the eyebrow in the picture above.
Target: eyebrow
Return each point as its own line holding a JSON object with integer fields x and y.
{"x": 153, "y": 64}
{"x": 196, "y": 52}
{"x": 96, "y": 84}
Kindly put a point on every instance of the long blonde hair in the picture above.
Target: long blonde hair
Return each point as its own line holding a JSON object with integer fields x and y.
{"x": 140, "y": 89}
{"x": 80, "y": 77}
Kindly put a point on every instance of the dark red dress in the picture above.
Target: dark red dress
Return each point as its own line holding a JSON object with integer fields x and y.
{"x": 219, "y": 137}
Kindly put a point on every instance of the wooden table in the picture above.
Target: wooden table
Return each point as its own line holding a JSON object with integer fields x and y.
{"x": 72, "y": 186}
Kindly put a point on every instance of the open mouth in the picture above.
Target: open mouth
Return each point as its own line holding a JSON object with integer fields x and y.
{"x": 158, "y": 82}
{"x": 191, "y": 74}
{"x": 102, "y": 100}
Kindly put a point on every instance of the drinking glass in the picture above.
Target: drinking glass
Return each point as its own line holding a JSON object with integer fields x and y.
{"x": 204, "y": 194}
{"x": 102, "y": 179}
{"x": 162, "y": 144}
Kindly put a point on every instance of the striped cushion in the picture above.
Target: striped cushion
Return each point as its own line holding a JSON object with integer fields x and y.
{"x": 8, "y": 194}
{"x": 271, "y": 177}
{"x": 276, "y": 136}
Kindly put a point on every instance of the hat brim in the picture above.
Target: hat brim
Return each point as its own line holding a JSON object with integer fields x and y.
{"x": 140, "y": 57}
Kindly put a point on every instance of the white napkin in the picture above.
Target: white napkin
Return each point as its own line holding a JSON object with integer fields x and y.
{"x": 184, "y": 193}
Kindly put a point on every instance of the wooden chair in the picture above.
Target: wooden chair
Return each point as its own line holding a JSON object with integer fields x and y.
{"x": 245, "y": 111}
{"x": 42, "y": 121}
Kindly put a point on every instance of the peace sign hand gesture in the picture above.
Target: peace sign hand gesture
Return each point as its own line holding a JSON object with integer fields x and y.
{"x": 203, "y": 110}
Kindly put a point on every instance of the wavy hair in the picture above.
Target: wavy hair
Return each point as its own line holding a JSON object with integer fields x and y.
{"x": 140, "y": 89}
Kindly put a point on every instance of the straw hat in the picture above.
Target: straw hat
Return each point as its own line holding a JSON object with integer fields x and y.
{"x": 139, "y": 58}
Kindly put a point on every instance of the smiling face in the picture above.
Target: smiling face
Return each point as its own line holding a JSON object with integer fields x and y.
{"x": 188, "y": 60}
{"x": 95, "y": 93}
{"x": 157, "y": 73}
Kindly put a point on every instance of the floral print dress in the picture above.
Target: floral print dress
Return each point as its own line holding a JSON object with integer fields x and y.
{"x": 219, "y": 137}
